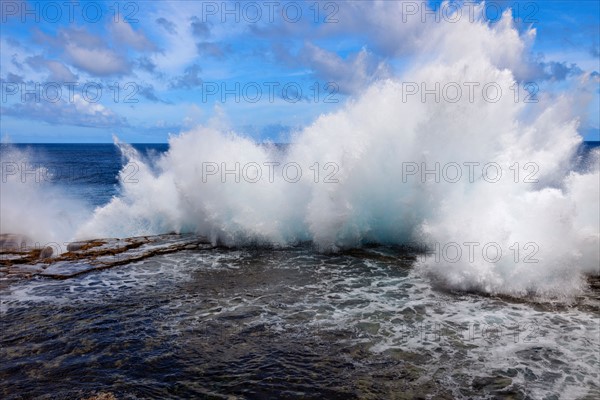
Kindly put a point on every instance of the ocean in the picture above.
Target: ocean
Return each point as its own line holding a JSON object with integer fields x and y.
{"x": 283, "y": 313}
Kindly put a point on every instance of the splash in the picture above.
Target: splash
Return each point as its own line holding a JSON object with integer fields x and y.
{"x": 483, "y": 178}
{"x": 31, "y": 206}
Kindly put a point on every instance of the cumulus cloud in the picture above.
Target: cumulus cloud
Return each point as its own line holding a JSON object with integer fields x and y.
{"x": 84, "y": 51}
{"x": 369, "y": 40}
{"x": 167, "y": 25}
{"x": 351, "y": 74}
{"x": 99, "y": 61}
{"x": 124, "y": 33}
{"x": 146, "y": 64}
{"x": 149, "y": 93}
{"x": 211, "y": 49}
{"x": 13, "y": 42}
{"x": 93, "y": 54}
{"x": 189, "y": 79}
{"x": 200, "y": 28}
{"x": 560, "y": 71}
{"x": 384, "y": 25}
{"x": 14, "y": 61}
{"x": 537, "y": 69}
{"x": 78, "y": 112}
{"x": 14, "y": 78}
{"x": 58, "y": 72}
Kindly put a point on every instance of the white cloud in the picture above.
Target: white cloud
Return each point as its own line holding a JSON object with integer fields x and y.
{"x": 100, "y": 61}
{"x": 86, "y": 107}
{"x": 167, "y": 25}
{"x": 59, "y": 72}
{"x": 124, "y": 33}
{"x": 351, "y": 74}
{"x": 78, "y": 112}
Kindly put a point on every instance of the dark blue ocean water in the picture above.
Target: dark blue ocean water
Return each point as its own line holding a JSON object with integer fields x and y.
{"x": 260, "y": 323}
{"x": 85, "y": 171}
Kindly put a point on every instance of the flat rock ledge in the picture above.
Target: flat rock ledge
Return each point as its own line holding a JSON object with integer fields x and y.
{"x": 20, "y": 258}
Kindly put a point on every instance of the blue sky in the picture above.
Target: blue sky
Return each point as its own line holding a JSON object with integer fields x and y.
{"x": 143, "y": 70}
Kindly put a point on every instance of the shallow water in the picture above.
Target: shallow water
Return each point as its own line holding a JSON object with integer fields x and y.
{"x": 290, "y": 323}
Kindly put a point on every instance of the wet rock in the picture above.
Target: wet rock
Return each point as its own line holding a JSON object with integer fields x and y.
{"x": 368, "y": 328}
{"x": 529, "y": 375}
{"x": 549, "y": 376}
{"x": 66, "y": 269}
{"x": 82, "y": 245}
{"x": 532, "y": 354}
{"x": 101, "y": 396}
{"x": 490, "y": 383}
{"x": 407, "y": 356}
{"x": 24, "y": 269}
{"x": 46, "y": 252}
{"x": 86, "y": 256}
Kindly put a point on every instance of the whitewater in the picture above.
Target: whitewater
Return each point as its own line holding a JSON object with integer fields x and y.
{"x": 436, "y": 235}
{"x": 505, "y": 175}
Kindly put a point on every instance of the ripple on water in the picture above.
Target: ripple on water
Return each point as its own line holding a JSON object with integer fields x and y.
{"x": 287, "y": 323}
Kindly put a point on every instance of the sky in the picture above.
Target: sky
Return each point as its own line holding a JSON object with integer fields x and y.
{"x": 85, "y": 71}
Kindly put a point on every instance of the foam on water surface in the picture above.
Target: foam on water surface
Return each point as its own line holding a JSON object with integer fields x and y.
{"x": 226, "y": 300}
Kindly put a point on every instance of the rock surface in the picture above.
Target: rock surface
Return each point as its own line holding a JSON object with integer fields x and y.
{"x": 18, "y": 258}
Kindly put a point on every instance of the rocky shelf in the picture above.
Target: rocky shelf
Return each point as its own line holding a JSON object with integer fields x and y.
{"x": 19, "y": 257}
